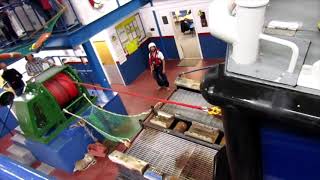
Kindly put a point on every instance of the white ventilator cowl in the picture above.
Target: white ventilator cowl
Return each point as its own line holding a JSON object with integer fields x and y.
{"x": 244, "y": 30}
{"x": 316, "y": 73}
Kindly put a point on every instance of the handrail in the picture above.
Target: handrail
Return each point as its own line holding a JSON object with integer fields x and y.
{"x": 52, "y": 58}
{"x": 10, "y": 5}
{"x": 196, "y": 70}
{"x": 26, "y": 21}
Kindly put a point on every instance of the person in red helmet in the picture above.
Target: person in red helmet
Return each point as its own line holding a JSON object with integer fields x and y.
{"x": 158, "y": 66}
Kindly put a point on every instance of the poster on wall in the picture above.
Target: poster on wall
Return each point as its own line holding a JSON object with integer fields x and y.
{"x": 120, "y": 55}
{"x": 130, "y": 33}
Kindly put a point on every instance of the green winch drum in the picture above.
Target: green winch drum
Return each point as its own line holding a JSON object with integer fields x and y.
{"x": 39, "y": 109}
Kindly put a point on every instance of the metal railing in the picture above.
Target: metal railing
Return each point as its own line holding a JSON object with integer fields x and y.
{"x": 21, "y": 18}
{"x": 79, "y": 63}
{"x": 62, "y": 60}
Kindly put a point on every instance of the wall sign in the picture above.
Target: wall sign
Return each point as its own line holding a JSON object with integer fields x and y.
{"x": 130, "y": 33}
{"x": 204, "y": 22}
{"x": 165, "y": 20}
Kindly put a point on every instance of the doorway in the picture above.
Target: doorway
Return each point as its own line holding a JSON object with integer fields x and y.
{"x": 111, "y": 68}
{"x": 185, "y": 35}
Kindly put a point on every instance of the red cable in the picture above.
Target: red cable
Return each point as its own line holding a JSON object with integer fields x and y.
{"x": 62, "y": 88}
{"x": 142, "y": 96}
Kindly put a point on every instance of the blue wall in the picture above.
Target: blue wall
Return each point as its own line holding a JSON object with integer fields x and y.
{"x": 168, "y": 47}
{"x": 136, "y": 64}
{"x": 115, "y": 105}
{"x": 212, "y": 47}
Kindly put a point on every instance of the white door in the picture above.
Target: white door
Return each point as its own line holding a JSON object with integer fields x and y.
{"x": 185, "y": 35}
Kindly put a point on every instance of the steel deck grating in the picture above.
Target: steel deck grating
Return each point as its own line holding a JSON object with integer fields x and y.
{"x": 193, "y": 98}
{"x": 174, "y": 156}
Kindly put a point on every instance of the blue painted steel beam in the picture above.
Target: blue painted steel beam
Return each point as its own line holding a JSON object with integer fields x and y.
{"x": 59, "y": 42}
{"x": 95, "y": 65}
{"x": 83, "y": 34}
{"x": 12, "y": 170}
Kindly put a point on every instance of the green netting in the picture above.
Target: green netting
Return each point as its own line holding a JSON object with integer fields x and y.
{"x": 26, "y": 47}
{"x": 114, "y": 127}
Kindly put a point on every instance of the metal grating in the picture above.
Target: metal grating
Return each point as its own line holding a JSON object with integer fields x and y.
{"x": 173, "y": 156}
{"x": 193, "y": 98}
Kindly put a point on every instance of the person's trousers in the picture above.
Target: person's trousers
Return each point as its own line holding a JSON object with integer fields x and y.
{"x": 160, "y": 77}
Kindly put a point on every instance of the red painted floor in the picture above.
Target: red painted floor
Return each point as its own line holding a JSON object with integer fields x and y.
{"x": 105, "y": 169}
{"x": 5, "y": 144}
{"x": 146, "y": 85}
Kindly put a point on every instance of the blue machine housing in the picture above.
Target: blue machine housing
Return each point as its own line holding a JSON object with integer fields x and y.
{"x": 271, "y": 132}
{"x": 63, "y": 151}
{"x": 288, "y": 155}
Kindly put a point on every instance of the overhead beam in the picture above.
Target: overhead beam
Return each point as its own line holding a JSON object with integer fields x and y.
{"x": 86, "y": 32}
